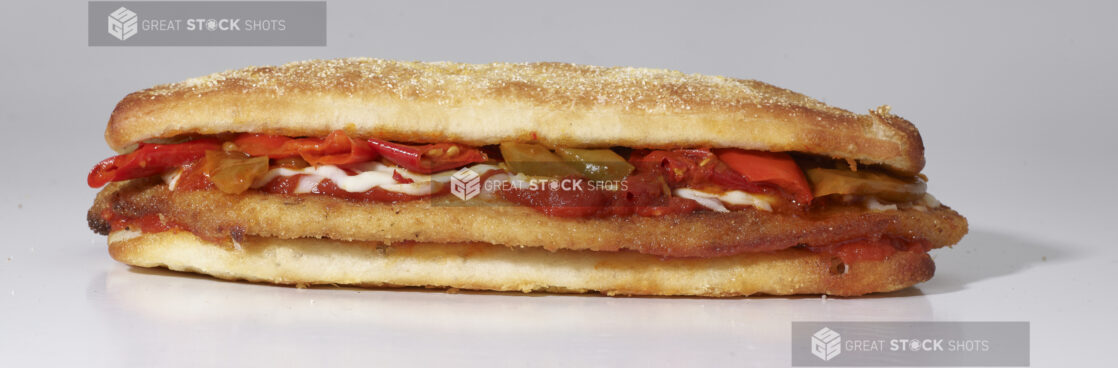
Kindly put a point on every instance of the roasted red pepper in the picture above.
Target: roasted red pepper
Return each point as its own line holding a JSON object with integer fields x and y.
{"x": 750, "y": 171}
{"x": 692, "y": 168}
{"x": 678, "y": 167}
{"x": 335, "y": 149}
{"x": 428, "y": 158}
{"x": 148, "y": 160}
{"x": 776, "y": 168}
{"x": 273, "y": 146}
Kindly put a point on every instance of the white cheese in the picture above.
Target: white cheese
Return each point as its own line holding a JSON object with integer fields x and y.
{"x": 715, "y": 201}
{"x": 525, "y": 182}
{"x": 369, "y": 175}
{"x": 874, "y": 205}
{"x": 930, "y": 202}
{"x": 925, "y": 203}
{"x": 374, "y": 174}
{"x": 172, "y": 178}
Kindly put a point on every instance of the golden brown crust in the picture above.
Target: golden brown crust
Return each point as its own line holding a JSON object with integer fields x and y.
{"x": 556, "y": 104}
{"x": 217, "y": 215}
{"x": 480, "y": 266}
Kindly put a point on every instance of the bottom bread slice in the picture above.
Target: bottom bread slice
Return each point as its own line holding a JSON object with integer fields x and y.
{"x": 479, "y": 266}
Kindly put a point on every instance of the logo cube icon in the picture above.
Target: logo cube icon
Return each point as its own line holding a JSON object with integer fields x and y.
{"x": 826, "y": 344}
{"x": 465, "y": 184}
{"x": 122, "y": 23}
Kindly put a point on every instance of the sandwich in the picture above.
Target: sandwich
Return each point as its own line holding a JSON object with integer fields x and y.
{"x": 545, "y": 177}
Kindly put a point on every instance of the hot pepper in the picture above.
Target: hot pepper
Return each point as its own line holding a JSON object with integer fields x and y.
{"x": 429, "y": 158}
{"x": 148, "y": 160}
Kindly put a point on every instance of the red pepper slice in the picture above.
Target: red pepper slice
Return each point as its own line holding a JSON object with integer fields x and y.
{"x": 776, "y": 168}
{"x": 697, "y": 166}
{"x": 677, "y": 166}
{"x": 148, "y": 160}
{"x": 420, "y": 158}
{"x": 273, "y": 146}
{"x": 335, "y": 149}
{"x": 691, "y": 167}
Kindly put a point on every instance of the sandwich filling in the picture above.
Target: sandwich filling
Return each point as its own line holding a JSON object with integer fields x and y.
{"x": 556, "y": 182}
{"x": 562, "y": 182}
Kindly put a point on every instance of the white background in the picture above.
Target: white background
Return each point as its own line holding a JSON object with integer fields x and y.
{"x": 1015, "y": 101}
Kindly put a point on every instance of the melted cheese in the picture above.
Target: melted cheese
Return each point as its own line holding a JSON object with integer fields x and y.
{"x": 377, "y": 175}
{"x": 369, "y": 175}
{"x": 876, "y": 206}
{"x": 930, "y": 202}
{"x": 715, "y": 202}
{"x": 172, "y": 178}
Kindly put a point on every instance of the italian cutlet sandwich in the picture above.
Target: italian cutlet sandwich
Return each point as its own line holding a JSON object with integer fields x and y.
{"x": 529, "y": 177}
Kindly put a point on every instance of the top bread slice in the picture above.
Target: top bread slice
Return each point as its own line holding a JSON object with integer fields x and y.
{"x": 554, "y": 104}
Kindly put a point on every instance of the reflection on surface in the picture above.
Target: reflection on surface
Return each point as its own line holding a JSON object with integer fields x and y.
{"x": 149, "y": 315}
{"x": 166, "y": 295}
{"x": 161, "y": 310}
{"x": 984, "y": 255}
{"x": 158, "y": 309}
